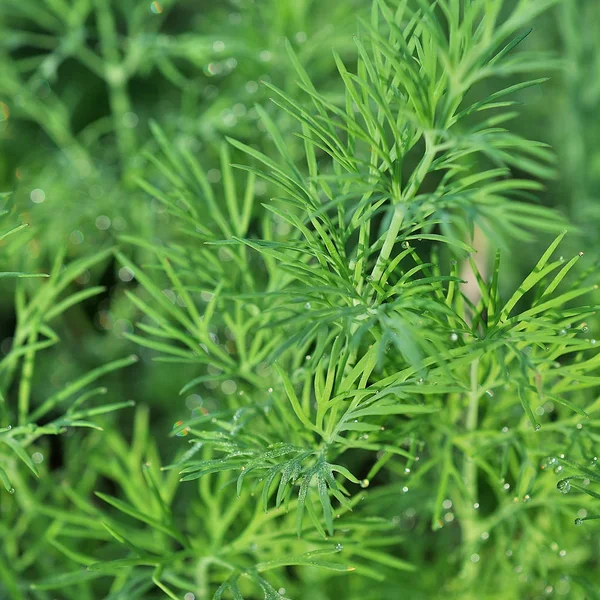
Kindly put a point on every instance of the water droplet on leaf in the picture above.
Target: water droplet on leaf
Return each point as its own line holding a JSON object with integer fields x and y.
{"x": 564, "y": 486}
{"x": 181, "y": 433}
{"x": 548, "y": 462}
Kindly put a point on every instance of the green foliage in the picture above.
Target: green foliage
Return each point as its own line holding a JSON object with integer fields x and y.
{"x": 371, "y": 405}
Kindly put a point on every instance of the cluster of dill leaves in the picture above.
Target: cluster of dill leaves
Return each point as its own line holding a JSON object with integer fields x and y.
{"x": 263, "y": 334}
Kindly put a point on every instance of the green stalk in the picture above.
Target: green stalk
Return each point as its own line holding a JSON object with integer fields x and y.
{"x": 468, "y": 519}
{"x": 26, "y": 375}
{"x": 388, "y": 243}
{"x": 116, "y": 77}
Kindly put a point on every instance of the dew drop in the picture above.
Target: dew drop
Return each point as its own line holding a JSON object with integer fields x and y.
{"x": 476, "y": 506}
{"x": 405, "y": 489}
{"x": 405, "y": 244}
{"x": 420, "y": 381}
{"x": 339, "y": 547}
{"x": 564, "y": 486}
{"x": 307, "y": 305}
{"x": 407, "y": 470}
{"x": 181, "y": 433}
{"x": 11, "y": 491}
{"x": 537, "y": 427}
{"x": 364, "y": 483}
{"x": 578, "y": 522}
{"x": 453, "y": 337}
{"x": 562, "y": 553}
{"x": 270, "y": 390}
{"x": 475, "y": 558}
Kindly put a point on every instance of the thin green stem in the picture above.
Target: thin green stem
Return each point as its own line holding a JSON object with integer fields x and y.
{"x": 469, "y": 525}
{"x": 116, "y": 77}
{"x": 388, "y": 243}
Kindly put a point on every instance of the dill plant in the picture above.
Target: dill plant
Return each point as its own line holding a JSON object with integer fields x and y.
{"x": 361, "y": 425}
